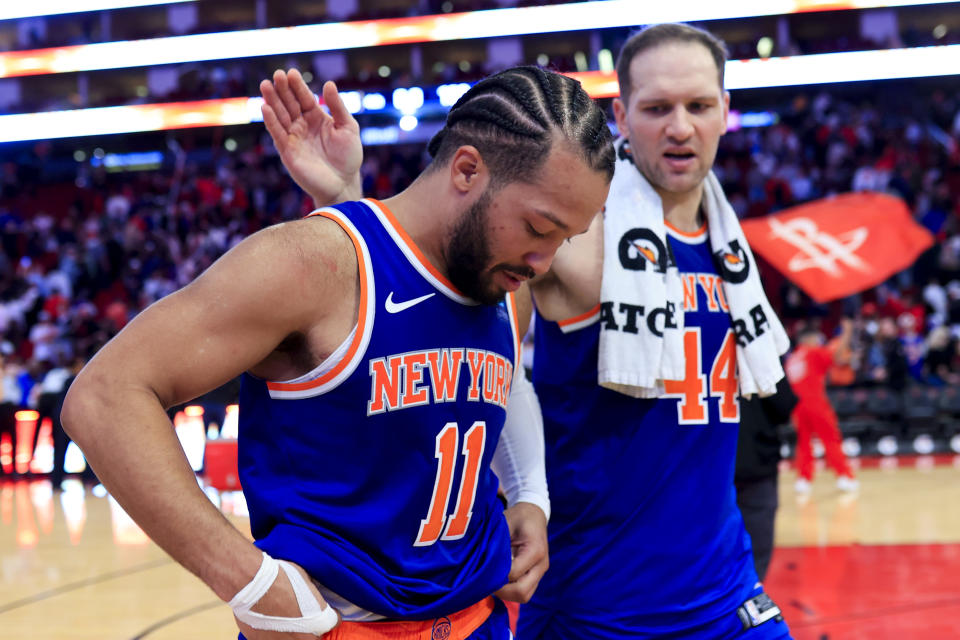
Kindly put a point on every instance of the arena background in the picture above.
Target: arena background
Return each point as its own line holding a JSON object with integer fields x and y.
{"x": 132, "y": 155}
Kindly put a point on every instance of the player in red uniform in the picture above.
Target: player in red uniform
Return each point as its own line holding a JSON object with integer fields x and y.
{"x": 807, "y": 369}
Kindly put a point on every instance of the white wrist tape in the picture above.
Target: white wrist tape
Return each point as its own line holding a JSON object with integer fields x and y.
{"x": 313, "y": 619}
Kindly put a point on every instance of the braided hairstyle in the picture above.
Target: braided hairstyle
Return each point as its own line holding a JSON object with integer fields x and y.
{"x": 513, "y": 119}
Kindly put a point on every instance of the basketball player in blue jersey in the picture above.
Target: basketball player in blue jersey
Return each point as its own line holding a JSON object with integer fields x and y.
{"x": 379, "y": 342}
{"x": 646, "y": 540}
{"x": 645, "y": 537}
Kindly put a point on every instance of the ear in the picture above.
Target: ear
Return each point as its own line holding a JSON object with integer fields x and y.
{"x": 620, "y": 116}
{"x": 468, "y": 171}
{"x": 726, "y": 109}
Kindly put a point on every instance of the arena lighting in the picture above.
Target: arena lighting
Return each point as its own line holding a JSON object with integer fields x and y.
{"x": 818, "y": 449}
{"x": 129, "y": 119}
{"x": 420, "y": 133}
{"x": 887, "y": 445}
{"x": 923, "y": 444}
{"x": 192, "y": 433}
{"x": 435, "y": 28}
{"x": 448, "y": 94}
{"x": 407, "y": 101}
{"x": 131, "y": 161}
{"x": 353, "y": 100}
{"x": 822, "y": 68}
{"x": 74, "y": 462}
{"x": 955, "y": 443}
{"x": 14, "y": 10}
{"x": 374, "y": 101}
{"x": 72, "y": 499}
{"x": 230, "y": 422}
{"x": 379, "y": 135}
{"x": 851, "y": 447}
{"x": 750, "y": 119}
{"x": 851, "y": 66}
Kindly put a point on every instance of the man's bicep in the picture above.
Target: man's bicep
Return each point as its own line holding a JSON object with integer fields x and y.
{"x": 225, "y": 322}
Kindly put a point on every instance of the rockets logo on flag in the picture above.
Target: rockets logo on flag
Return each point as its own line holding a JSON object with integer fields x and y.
{"x": 839, "y": 246}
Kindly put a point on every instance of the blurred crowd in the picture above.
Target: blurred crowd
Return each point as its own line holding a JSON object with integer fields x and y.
{"x": 824, "y": 144}
{"x": 80, "y": 259}
{"x": 385, "y": 71}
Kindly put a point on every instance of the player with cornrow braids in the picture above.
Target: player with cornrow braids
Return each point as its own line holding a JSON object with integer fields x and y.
{"x": 649, "y": 326}
{"x": 517, "y": 115}
{"x": 379, "y": 343}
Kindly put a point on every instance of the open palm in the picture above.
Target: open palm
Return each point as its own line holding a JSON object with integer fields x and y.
{"x": 321, "y": 151}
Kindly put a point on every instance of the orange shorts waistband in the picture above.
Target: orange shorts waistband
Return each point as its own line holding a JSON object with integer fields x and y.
{"x": 456, "y": 626}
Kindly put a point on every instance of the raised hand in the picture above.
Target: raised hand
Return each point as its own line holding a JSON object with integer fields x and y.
{"x": 321, "y": 151}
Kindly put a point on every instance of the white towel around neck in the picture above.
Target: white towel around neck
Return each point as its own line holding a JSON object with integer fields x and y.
{"x": 642, "y": 294}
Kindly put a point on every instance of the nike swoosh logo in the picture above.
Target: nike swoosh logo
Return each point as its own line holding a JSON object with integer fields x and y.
{"x": 397, "y": 307}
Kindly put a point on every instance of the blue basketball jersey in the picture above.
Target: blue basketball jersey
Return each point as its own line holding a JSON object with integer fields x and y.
{"x": 373, "y": 471}
{"x": 645, "y": 535}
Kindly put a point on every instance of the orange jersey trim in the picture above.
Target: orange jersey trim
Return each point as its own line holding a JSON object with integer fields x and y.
{"x": 361, "y": 320}
{"x": 456, "y": 626}
{"x": 686, "y": 234}
{"x": 579, "y": 318}
{"x": 515, "y": 326}
{"x": 414, "y": 248}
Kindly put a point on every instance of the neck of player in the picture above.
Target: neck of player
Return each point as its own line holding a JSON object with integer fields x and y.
{"x": 682, "y": 210}
{"x": 424, "y": 210}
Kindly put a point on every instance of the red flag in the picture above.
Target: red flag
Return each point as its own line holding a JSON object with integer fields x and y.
{"x": 839, "y": 246}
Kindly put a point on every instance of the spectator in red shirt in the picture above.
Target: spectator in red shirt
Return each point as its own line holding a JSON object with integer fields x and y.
{"x": 807, "y": 368}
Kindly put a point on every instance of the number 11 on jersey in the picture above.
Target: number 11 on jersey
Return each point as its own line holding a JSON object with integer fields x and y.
{"x": 474, "y": 442}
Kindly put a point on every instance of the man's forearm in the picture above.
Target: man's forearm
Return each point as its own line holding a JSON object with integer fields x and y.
{"x": 133, "y": 448}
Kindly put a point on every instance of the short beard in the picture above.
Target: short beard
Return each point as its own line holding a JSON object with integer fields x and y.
{"x": 468, "y": 254}
{"x": 659, "y": 180}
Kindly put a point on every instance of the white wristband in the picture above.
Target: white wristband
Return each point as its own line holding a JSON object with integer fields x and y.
{"x": 313, "y": 618}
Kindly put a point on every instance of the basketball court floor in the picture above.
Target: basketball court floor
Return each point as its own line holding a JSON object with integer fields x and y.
{"x": 882, "y": 564}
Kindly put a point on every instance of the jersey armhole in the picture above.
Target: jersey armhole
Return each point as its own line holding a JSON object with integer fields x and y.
{"x": 334, "y": 370}
{"x": 581, "y": 321}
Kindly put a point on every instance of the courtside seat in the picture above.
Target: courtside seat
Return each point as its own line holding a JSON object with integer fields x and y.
{"x": 858, "y": 427}
{"x": 847, "y": 402}
{"x": 949, "y": 414}
{"x": 921, "y": 410}
{"x": 884, "y": 409}
{"x": 884, "y": 405}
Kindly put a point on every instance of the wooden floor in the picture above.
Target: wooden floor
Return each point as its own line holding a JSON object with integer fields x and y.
{"x": 74, "y": 566}
{"x": 910, "y": 500}
{"x": 882, "y": 563}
